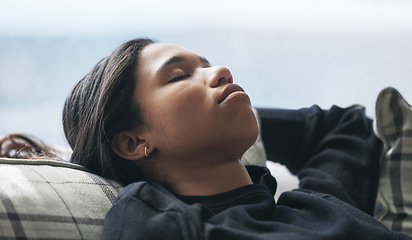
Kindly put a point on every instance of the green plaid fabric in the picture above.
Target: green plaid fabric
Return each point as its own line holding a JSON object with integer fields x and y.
{"x": 394, "y": 127}
{"x": 46, "y": 199}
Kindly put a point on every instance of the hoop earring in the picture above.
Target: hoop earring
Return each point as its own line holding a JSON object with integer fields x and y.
{"x": 145, "y": 153}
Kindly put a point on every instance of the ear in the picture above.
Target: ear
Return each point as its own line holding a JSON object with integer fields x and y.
{"x": 128, "y": 145}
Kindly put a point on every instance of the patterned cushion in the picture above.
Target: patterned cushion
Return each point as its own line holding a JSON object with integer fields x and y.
{"x": 46, "y": 199}
{"x": 394, "y": 127}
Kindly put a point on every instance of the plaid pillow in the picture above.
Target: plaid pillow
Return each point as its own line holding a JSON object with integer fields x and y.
{"x": 46, "y": 199}
{"x": 394, "y": 127}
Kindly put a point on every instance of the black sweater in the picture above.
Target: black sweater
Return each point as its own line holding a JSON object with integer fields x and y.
{"x": 335, "y": 155}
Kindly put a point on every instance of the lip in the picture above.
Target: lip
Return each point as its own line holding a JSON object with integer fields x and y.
{"x": 230, "y": 90}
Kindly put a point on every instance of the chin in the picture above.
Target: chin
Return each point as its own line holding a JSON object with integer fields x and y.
{"x": 239, "y": 132}
{"x": 252, "y": 136}
{"x": 249, "y": 134}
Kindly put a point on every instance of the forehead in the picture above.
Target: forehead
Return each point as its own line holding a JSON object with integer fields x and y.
{"x": 156, "y": 53}
{"x": 156, "y": 56}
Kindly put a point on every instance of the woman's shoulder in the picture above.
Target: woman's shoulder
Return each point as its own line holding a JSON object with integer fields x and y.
{"x": 146, "y": 193}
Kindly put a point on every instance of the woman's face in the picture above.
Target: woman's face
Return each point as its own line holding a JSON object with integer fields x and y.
{"x": 190, "y": 107}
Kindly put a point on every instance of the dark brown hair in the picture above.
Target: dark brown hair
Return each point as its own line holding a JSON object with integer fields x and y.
{"x": 100, "y": 105}
{"x": 19, "y": 145}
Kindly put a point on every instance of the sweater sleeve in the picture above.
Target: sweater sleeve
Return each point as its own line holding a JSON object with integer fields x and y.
{"x": 331, "y": 151}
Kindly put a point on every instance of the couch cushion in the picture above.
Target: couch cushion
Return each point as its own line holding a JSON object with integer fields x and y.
{"x": 394, "y": 127}
{"x": 47, "y": 199}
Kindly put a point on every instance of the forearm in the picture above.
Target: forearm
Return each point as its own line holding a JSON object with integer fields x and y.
{"x": 282, "y": 133}
{"x": 333, "y": 151}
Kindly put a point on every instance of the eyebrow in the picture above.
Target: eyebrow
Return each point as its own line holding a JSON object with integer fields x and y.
{"x": 176, "y": 59}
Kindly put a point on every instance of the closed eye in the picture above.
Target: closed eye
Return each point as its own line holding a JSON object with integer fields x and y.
{"x": 180, "y": 77}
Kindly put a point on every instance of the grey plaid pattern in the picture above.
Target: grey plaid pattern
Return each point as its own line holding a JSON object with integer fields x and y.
{"x": 46, "y": 199}
{"x": 394, "y": 127}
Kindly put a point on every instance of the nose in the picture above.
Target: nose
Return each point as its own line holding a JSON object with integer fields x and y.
{"x": 218, "y": 76}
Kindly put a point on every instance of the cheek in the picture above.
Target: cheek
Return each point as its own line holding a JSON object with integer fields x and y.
{"x": 189, "y": 115}
{"x": 181, "y": 112}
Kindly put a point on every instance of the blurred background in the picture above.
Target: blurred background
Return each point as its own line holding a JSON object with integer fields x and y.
{"x": 288, "y": 54}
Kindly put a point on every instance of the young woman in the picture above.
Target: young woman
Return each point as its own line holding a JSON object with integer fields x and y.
{"x": 160, "y": 119}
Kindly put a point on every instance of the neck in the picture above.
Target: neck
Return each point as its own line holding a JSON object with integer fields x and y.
{"x": 206, "y": 180}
